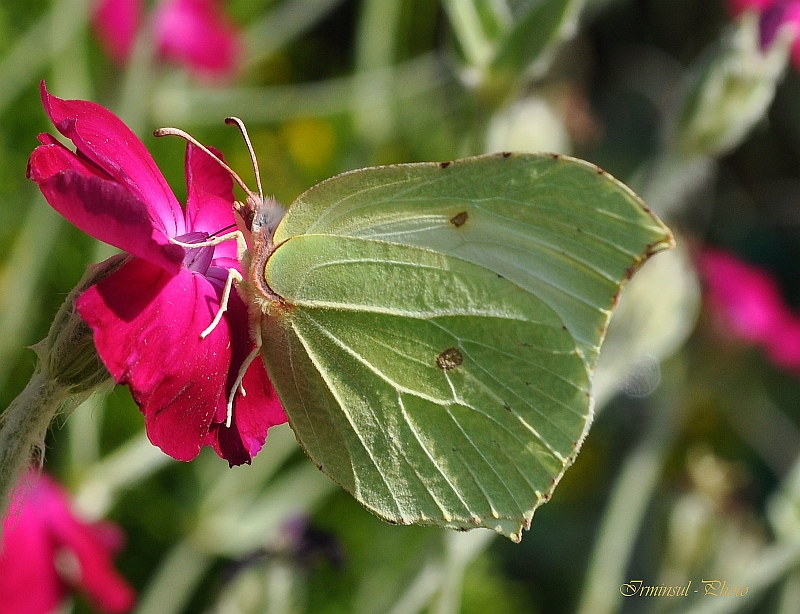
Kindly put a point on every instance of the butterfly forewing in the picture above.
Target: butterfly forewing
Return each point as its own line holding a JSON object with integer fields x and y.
{"x": 558, "y": 227}
{"x": 441, "y": 322}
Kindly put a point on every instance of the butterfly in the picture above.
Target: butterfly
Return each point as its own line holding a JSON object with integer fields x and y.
{"x": 432, "y": 328}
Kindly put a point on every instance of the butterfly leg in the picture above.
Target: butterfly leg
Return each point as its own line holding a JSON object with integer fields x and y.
{"x": 239, "y": 383}
{"x": 234, "y": 276}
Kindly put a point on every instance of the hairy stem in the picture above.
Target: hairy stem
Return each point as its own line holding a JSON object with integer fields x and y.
{"x": 23, "y": 428}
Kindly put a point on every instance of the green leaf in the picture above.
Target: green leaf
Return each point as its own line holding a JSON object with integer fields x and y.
{"x": 543, "y": 25}
{"x": 530, "y": 43}
{"x": 478, "y": 25}
{"x": 440, "y": 324}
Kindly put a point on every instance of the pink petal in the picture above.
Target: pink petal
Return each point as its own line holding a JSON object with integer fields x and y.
{"x": 209, "y": 204}
{"x": 147, "y": 327}
{"x": 97, "y": 576}
{"x": 28, "y": 580}
{"x": 783, "y": 347}
{"x": 774, "y": 19}
{"x": 256, "y": 412}
{"x": 109, "y": 535}
{"x": 792, "y": 16}
{"x": 52, "y": 157}
{"x": 99, "y": 206}
{"x": 116, "y": 23}
{"x": 217, "y": 274}
{"x": 104, "y": 139}
{"x": 196, "y": 33}
{"x": 206, "y": 176}
{"x": 46, "y": 547}
{"x": 746, "y": 298}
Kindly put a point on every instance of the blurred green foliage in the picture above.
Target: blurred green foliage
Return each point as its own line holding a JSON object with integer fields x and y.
{"x": 671, "y": 486}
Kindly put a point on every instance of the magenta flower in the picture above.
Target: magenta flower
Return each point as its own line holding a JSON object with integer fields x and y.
{"x": 748, "y": 302}
{"x": 47, "y": 552}
{"x": 148, "y": 316}
{"x": 116, "y": 23}
{"x": 194, "y": 33}
{"x": 740, "y": 6}
{"x": 773, "y": 15}
{"x": 745, "y": 297}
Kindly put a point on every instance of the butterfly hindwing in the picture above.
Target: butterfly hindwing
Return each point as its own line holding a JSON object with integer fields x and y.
{"x": 446, "y": 394}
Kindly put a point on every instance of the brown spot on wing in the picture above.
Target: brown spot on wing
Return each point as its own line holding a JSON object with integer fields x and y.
{"x": 449, "y": 359}
{"x": 459, "y": 219}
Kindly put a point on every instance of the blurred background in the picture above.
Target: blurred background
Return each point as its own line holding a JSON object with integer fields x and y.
{"x": 690, "y": 472}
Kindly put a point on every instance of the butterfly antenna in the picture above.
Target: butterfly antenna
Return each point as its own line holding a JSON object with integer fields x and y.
{"x": 240, "y": 124}
{"x": 221, "y": 230}
{"x": 188, "y": 137}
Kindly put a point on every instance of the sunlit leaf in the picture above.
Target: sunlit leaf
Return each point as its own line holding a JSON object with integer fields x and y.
{"x": 529, "y": 45}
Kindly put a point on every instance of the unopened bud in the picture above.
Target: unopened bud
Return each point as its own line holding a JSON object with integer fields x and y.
{"x": 732, "y": 89}
{"x": 69, "y": 370}
{"x": 68, "y": 355}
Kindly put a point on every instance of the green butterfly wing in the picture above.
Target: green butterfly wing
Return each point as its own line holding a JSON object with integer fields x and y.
{"x": 440, "y": 327}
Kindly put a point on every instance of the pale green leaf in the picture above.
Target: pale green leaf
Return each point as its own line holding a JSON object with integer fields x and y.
{"x": 478, "y": 26}
{"x": 534, "y": 34}
{"x": 440, "y": 324}
{"x": 501, "y": 51}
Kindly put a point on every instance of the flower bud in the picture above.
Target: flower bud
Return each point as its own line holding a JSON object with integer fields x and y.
{"x": 68, "y": 355}
{"x": 732, "y": 89}
{"x": 69, "y": 370}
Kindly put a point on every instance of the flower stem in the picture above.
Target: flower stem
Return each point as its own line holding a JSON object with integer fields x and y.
{"x": 23, "y": 428}
{"x": 461, "y": 549}
{"x": 630, "y": 497}
{"x": 173, "y": 583}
